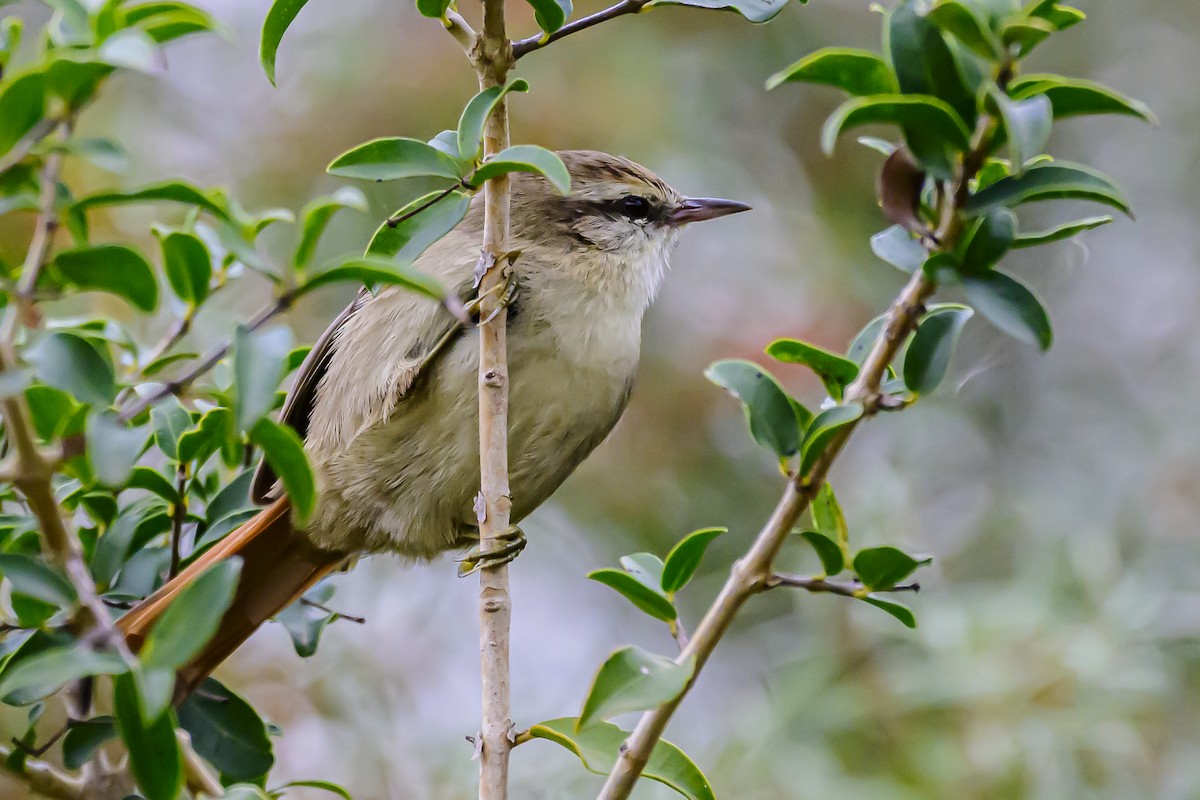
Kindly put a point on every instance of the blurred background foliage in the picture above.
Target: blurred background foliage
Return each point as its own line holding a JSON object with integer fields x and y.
{"x": 1056, "y": 655}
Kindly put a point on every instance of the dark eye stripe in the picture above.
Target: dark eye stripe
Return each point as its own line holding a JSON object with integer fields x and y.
{"x": 633, "y": 207}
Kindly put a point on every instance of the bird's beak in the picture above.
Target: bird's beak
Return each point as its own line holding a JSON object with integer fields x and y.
{"x": 698, "y": 209}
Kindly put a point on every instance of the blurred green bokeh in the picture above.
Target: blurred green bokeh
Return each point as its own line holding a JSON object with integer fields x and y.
{"x": 1056, "y": 655}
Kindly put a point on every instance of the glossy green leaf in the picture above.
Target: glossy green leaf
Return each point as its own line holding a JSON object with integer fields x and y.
{"x": 884, "y": 567}
{"x": 133, "y": 49}
{"x": 1072, "y": 97}
{"x": 1027, "y": 126}
{"x": 35, "y": 578}
{"x": 192, "y": 618}
{"x": 858, "y": 72}
{"x": 861, "y": 345}
{"x": 170, "y": 191}
{"x": 227, "y": 732}
{"x": 22, "y": 106}
{"x": 418, "y": 225}
{"x": 475, "y": 116}
{"x": 258, "y": 367}
{"x": 377, "y": 271}
{"x": 111, "y": 268}
{"x": 932, "y": 347}
{"x": 989, "y": 239}
{"x": 74, "y": 365}
{"x": 835, "y": 372}
{"x": 646, "y": 598}
{"x": 1058, "y": 15}
{"x": 633, "y": 679}
{"x": 525, "y": 158}
{"x": 56, "y": 666}
{"x": 84, "y": 738}
{"x": 169, "y": 20}
{"x": 680, "y": 564}
{"x": 897, "y": 610}
{"x": 1026, "y": 34}
{"x": 832, "y": 559}
{"x": 434, "y": 8}
{"x": 824, "y": 427}
{"x": 154, "y": 482}
{"x": 1060, "y": 232}
{"x": 170, "y": 421}
{"x": 897, "y": 247}
{"x": 964, "y": 22}
{"x": 154, "y": 755}
{"x": 828, "y": 518}
{"x": 769, "y": 412}
{"x": 188, "y": 265}
{"x": 756, "y": 11}
{"x": 646, "y": 567}
{"x": 551, "y": 14}
{"x": 214, "y": 430}
{"x": 1011, "y": 306}
{"x": 279, "y": 17}
{"x": 285, "y": 453}
{"x": 597, "y": 746}
{"x": 315, "y": 218}
{"x": 1057, "y": 180}
{"x": 113, "y": 448}
{"x": 909, "y": 111}
{"x": 392, "y": 158}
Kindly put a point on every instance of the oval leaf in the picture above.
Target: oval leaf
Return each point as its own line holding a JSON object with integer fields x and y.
{"x": 1057, "y": 180}
{"x": 279, "y": 17}
{"x": 1060, "y": 232}
{"x": 1027, "y": 125}
{"x": 390, "y": 159}
{"x": 681, "y": 563}
{"x": 929, "y": 353}
{"x": 858, "y": 72}
{"x": 154, "y": 755}
{"x": 73, "y": 364}
{"x": 259, "y": 358}
{"x": 111, "y": 268}
{"x": 34, "y": 578}
{"x": 475, "y": 116}
{"x": 525, "y": 158}
{"x": 823, "y": 428}
{"x": 1011, "y": 306}
{"x": 192, "y": 617}
{"x": 57, "y": 666}
{"x": 632, "y": 679}
{"x": 188, "y": 265}
{"x": 907, "y": 110}
{"x": 1072, "y": 97}
{"x": 772, "y": 418}
{"x": 377, "y": 271}
{"x": 227, "y": 732}
{"x": 647, "y": 599}
{"x": 884, "y": 567}
{"x": 285, "y": 453}
{"x": 832, "y": 559}
{"x": 315, "y": 218}
{"x": 897, "y": 247}
{"x": 897, "y": 610}
{"x": 835, "y": 372}
{"x": 990, "y": 238}
{"x": 418, "y": 225}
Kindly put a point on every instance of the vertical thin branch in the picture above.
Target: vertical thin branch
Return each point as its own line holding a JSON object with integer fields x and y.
{"x": 178, "y": 517}
{"x": 492, "y": 57}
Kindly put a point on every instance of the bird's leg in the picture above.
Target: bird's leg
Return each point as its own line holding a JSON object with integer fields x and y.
{"x": 511, "y": 541}
{"x": 508, "y": 292}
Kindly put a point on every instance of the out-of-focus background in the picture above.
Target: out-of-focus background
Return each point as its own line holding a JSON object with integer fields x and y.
{"x": 1057, "y": 651}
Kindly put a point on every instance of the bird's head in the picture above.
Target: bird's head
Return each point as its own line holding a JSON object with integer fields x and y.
{"x": 615, "y": 228}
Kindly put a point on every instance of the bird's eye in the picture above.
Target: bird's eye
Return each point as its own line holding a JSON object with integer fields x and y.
{"x": 635, "y": 207}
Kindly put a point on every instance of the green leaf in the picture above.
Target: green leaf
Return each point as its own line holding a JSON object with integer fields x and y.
{"x": 56, "y": 666}
{"x": 681, "y": 563}
{"x": 170, "y": 191}
{"x": 214, "y": 430}
{"x": 598, "y": 745}
{"x": 258, "y": 367}
{"x": 188, "y": 265}
{"x": 632, "y": 679}
{"x": 769, "y": 411}
{"x": 1058, "y": 180}
{"x": 858, "y": 72}
{"x": 84, "y": 738}
{"x": 22, "y": 106}
{"x": 170, "y": 420}
{"x": 963, "y": 22}
{"x": 832, "y": 559}
{"x": 646, "y": 567}
{"x": 1011, "y": 306}
{"x": 884, "y": 567}
{"x": 1027, "y": 125}
{"x": 1026, "y": 34}
{"x": 828, "y": 518}
{"x": 285, "y": 453}
{"x": 227, "y": 732}
{"x": 645, "y": 597}
{"x": 111, "y": 268}
{"x": 154, "y": 755}
{"x": 989, "y": 239}
{"x": 823, "y": 428}
{"x": 169, "y": 20}
{"x": 1059, "y": 232}
{"x": 910, "y": 111}
{"x": 304, "y": 622}
{"x": 434, "y": 8}
{"x": 475, "y": 116}
{"x": 897, "y": 610}
{"x": 525, "y": 158}
{"x": 835, "y": 372}
{"x": 154, "y": 482}
{"x": 1059, "y": 16}
{"x": 550, "y": 14}
{"x": 932, "y": 346}
{"x": 897, "y": 247}
{"x": 32, "y": 577}
{"x": 756, "y": 11}
{"x": 132, "y": 49}
{"x": 279, "y": 17}
{"x": 1071, "y": 97}
{"x": 316, "y": 215}
{"x": 418, "y": 225}
{"x": 192, "y": 617}
{"x": 860, "y": 347}
{"x": 377, "y": 271}
{"x": 390, "y": 159}
{"x": 73, "y": 364}
{"x": 113, "y": 448}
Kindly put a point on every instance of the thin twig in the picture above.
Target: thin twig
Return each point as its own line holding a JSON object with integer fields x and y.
{"x": 826, "y": 586}
{"x": 178, "y": 517}
{"x": 524, "y": 46}
{"x": 492, "y": 57}
{"x": 304, "y": 601}
{"x": 393, "y": 221}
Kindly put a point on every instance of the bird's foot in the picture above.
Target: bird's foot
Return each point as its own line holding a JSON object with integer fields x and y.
{"x": 507, "y": 294}
{"x": 508, "y": 545}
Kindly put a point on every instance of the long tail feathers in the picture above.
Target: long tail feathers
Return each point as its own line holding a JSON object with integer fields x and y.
{"x": 278, "y": 565}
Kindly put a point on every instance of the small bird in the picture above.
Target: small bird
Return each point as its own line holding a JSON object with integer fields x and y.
{"x": 387, "y": 400}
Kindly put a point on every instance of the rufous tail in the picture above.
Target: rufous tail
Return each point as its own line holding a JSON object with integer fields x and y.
{"x": 278, "y": 565}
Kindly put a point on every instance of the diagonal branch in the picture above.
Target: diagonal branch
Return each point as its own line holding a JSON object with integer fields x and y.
{"x": 524, "y": 46}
